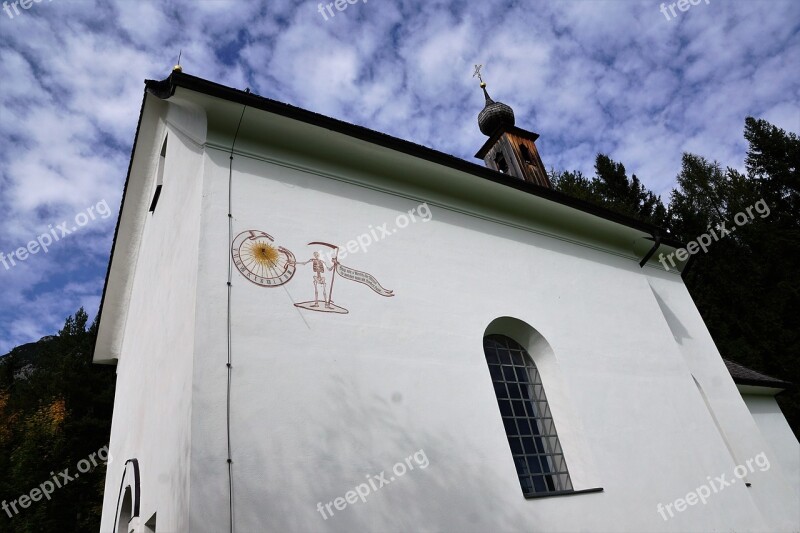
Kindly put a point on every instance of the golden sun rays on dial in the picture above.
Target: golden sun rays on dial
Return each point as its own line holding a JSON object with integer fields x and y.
{"x": 257, "y": 258}
{"x": 264, "y": 253}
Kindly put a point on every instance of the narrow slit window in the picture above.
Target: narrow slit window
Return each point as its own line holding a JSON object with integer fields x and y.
{"x": 159, "y": 176}
{"x": 529, "y": 425}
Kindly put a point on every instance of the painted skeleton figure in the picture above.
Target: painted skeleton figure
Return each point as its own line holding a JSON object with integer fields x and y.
{"x": 319, "y": 266}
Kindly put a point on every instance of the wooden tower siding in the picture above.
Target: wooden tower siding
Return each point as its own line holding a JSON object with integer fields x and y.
{"x": 509, "y": 144}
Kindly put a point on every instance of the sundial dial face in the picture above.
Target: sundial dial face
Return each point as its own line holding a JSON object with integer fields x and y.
{"x": 262, "y": 262}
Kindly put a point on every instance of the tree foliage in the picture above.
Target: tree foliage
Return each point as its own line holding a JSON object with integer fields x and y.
{"x": 611, "y": 188}
{"x": 55, "y": 410}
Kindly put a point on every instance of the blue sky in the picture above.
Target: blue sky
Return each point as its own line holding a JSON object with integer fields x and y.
{"x": 588, "y": 75}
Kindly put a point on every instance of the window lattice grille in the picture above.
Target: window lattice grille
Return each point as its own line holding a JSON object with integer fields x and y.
{"x": 529, "y": 424}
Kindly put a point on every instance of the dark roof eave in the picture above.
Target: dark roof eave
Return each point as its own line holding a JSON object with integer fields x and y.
{"x": 747, "y": 376}
{"x": 164, "y": 89}
{"x": 777, "y": 384}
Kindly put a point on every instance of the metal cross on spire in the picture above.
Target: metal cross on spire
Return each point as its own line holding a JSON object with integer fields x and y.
{"x": 478, "y": 74}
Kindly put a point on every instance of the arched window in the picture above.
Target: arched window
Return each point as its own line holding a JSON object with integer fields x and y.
{"x": 129, "y": 497}
{"x": 529, "y": 424}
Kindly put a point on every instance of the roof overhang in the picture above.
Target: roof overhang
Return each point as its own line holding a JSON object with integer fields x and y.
{"x": 758, "y": 390}
{"x": 749, "y": 381}
{"x": 166, "y": 88}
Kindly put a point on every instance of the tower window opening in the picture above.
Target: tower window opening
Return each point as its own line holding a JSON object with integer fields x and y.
{"x": 500, "y": 162}
{"x": 526, "y": 154}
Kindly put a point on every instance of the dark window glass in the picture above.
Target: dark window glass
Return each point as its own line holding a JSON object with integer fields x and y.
{"x": 526, "y": 416}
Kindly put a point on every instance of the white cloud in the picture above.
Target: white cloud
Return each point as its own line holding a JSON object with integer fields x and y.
{"x": 607, "y": 76}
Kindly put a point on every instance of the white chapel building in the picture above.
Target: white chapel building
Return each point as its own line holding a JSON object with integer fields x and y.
{"x": 321, "y": 328}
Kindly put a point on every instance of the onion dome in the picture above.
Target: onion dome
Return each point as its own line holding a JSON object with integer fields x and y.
{"x": 494, "y": 115}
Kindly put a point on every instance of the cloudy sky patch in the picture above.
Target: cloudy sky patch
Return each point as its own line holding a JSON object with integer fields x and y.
{"x": 588, "y": 75}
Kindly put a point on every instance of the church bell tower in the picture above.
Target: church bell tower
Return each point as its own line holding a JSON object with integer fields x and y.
{"x": 509, "y": 149}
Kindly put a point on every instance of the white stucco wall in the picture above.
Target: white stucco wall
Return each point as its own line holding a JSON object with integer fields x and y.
{"x": 725, "y": 409}
{"x": 152, "y": 403}
{"x": 780, "y": 439}
{"x": 319, "y": 401}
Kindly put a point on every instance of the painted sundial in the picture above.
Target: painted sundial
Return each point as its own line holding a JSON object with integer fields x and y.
{"x": 262, "y": 262}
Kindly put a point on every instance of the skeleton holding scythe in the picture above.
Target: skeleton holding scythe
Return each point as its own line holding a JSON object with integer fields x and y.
{"x": 319, "y": 266}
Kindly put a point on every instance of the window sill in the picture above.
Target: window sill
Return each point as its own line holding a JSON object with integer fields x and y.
{"x": 561, "y": 493}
